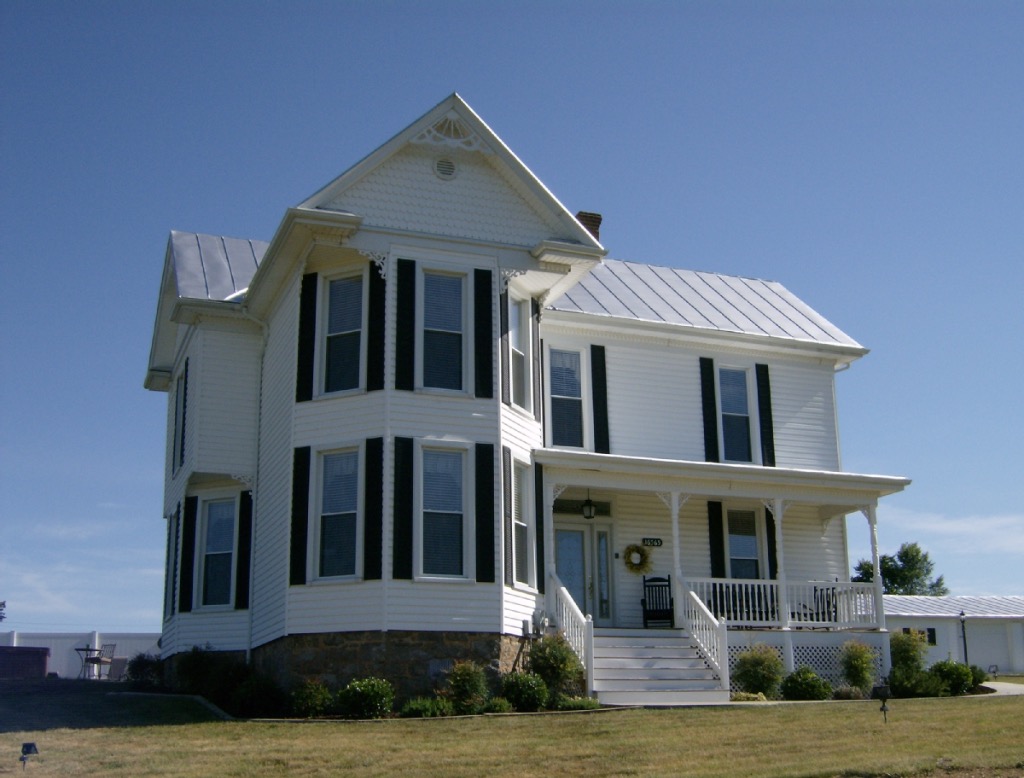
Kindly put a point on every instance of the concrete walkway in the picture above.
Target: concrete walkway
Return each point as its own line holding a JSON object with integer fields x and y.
{"x": 1005, "y": 688}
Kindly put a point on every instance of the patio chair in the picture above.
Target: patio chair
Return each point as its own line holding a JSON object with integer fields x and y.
{"x": 657, "y": 603}
{"x": 102, "y": 659}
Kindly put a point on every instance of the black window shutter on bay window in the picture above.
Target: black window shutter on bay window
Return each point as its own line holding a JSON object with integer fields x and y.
{"x": 404, "y": 483}
{"x": 188, "y": 554}
{"x": 300, "y": 516}
{"x": 485, "y": 512}
{"x": 373, "y": 508}
{"x": 244, "y": 550}
{"x": 483, "y": 333}
{"x": 405, "y": 326}
{"x": 307, "y": 339}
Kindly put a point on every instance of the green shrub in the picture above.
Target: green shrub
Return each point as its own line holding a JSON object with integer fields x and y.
{"x": 498, "y": 705}
{"x": 229, "y": 683}
{"x": 857, "y": 661}
{"x": 258, "y": 697}
{"x": 907, "y": 651}
{"x": 955, "y": 676}
{"x": 577, "y": 703}
{"x": 467, "y": 688}
{"x": 145, "y": 671}
{"x": 758, "y": 669}
{"x": 848, "y": 693}
{"x": 747, "y": 697}
{"x": 366, "y": 698}
{"x": 312, "y": 699}
{"x": 908, "y": 677}
{"x": 978, "y": 676}
{"x": 525, "y": 691}
{"x": 427, "y": 708}
{"x": 804, "y": 684}
{"x": 553, "y": 659}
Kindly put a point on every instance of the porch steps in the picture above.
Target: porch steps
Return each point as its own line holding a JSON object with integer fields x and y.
{"x": 656, "y": 667}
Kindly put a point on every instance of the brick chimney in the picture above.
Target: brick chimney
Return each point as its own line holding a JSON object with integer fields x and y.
{"x": 592, "y": 221}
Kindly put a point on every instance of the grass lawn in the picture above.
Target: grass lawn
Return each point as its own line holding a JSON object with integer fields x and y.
{"x": 80, "y": 730}
{"x": 1011, "y": 679}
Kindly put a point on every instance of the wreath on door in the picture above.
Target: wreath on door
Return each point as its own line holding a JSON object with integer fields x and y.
{"x": 637, "y": 559}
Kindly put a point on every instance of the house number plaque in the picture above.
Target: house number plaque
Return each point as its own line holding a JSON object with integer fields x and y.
{"x": 655, "y": 542}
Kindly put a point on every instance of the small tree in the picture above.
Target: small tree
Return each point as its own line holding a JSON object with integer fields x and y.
{"x": 758, "y": 669}
{"x": 857, "y": 661}
{"x": 467, "y": 688}
{"x": 908, "y": 572}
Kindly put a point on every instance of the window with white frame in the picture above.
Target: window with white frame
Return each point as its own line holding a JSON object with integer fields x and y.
{"x": 443, "y": 526}
{"x": 733, "y": 389}
{"x": 338, "y": 531}
{"x": 180, "y": 409}
{"x": 744, "y": 544}
{"x": 343, "y": 338}
{"x": 522, "y": 529}
{"x": 443, "y": 329}
{"x": 218, "y": 551}
{"x": 565, "y": 373}
{"x": 519, "y": 340}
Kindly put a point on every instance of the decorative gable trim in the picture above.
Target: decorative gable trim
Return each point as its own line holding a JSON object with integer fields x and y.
{"x": 453, "y": 132}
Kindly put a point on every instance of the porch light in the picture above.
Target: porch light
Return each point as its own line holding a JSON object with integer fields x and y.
{"x": 589, "y": 509}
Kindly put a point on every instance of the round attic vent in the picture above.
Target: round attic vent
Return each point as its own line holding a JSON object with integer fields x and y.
{"x": 444, "y": 168}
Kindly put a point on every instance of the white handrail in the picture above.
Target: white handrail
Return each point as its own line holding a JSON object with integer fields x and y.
{"x": 710, "y": 635}
{"x": 577, "y": 628}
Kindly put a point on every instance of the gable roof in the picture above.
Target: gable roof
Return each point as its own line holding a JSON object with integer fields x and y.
{"x": 703, "y": 301}
{"x": 210, "y": 267}
{"x": 950, "y": 607}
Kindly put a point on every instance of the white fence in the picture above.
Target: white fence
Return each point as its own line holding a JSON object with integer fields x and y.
{"x": 66, "y": 662}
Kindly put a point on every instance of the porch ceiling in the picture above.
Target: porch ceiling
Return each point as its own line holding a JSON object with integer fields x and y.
{"x": 833, "y": 492}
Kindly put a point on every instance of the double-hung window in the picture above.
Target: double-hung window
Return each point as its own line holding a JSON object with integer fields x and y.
{"x": 218, "y": 551}
{"x": 339, "y": 511}
{"x": 521, "y": 529}
{"x": 344, "y": 325}
{"x": 443, "y": 331}
{"x": 566, "y": 398}
{"x": 519, "y": 340}
{"x": 735, "y": 404}
{"x": 442, "y": 530}
{"x": 743, "y": 544}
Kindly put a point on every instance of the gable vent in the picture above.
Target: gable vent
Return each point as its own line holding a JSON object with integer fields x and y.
{"x": 444, "y": 168}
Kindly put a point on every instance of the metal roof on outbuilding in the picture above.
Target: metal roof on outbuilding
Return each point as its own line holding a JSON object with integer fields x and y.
{"x": 689, "y": 298}
{"x": 1009, "y": 606}
{"x": 210, "y": 267}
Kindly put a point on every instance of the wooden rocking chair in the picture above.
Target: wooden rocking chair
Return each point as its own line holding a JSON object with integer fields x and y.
{"x": 657, "y": 602}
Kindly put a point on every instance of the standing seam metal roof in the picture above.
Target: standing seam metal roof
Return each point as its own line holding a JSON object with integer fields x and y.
{"x": 210, "y": 267}
{"x": 1010, "y": 606}
{"x": 689, "y": 298}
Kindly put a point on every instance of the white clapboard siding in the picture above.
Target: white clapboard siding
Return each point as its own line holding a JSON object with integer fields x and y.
{"x": 519, "y": 432}
{"x": 338, "y": 421}
{"x": 458, "y": 606}
{"x": 804, "y": 416}
{"x": 520, "y": 605}
{"x": 341, "y": 607}
{"x": 814, "y": 550}
{"x": 405, "y": 194}
{"x": 221, "y": 630}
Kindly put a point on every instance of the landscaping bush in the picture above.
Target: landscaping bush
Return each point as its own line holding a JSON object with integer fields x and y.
{"x": 857, "y": 661}
{"x": 577, "y": 703}
{"x": 907, "y": 651}
{"x": 312, "y": 699}
{"x": 258, "y": 697}
{"x": 955, "y": 676}
{"x": 229, "y": 683}
{"x": 427, "y": 708}
{"x": 525, "y": 691}
{"x": 804, "y": 684}
{"x": 553, "y": 659}
{"x": 978, "y": 676}
{"x": 908, "y": 677}
{"x": 467, "y": 688}
{"x": 747, "y": 697}
{"x": 145, "y": 671}
{"x": 366, "y": 698}
{"x": 758, "y": 669}
{"x": 848, "y": 693}
{"x": 498, "y": 705}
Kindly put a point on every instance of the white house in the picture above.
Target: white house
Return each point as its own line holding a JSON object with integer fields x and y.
{"x": 384, "y": 427}
{"x": 989, "y": 629}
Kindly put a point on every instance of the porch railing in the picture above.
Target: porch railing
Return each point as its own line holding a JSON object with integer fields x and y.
{"x": 707, "y": 631}
{"x": 816, "y": 604}
{"x": 577, "y": 628}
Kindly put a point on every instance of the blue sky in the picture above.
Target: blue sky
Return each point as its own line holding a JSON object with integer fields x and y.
{"x": 868, "y": 155}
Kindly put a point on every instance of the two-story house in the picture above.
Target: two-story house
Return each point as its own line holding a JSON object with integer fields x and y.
{"x": 429, "y": 418}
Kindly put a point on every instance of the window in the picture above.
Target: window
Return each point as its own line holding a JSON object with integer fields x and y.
{"x": 521, "y": 529}
{"x": 743, "y": 545}
{"x": 735, "y": 405}
{"x": 339, "y": 506}
{"x": 928, "y": 632}
{"x": 442, "y": 530}
{"x": 566, "y": 398}
{"x": 443, "y": 318}
{"x": 343, "y": 347}
{"x": 180, "y": 403}
{"x": 519, "y": 351}
{"x": 218, "y": 551}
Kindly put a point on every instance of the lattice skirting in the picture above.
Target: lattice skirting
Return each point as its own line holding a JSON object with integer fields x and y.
{"x": 820, "y": 653}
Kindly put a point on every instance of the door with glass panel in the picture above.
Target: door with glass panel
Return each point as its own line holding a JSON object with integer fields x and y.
{"x": 583, "y": 563}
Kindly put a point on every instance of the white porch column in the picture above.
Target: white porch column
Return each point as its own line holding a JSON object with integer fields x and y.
{"x": 876, "y": 566}
{"x": 549, "y": 547}
{"x": 778, "y": 509}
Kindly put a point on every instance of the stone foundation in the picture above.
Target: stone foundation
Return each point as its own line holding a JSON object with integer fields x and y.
{"x": 415, "y": 662}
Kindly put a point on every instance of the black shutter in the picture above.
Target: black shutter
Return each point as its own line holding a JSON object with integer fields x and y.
{"x": 709, "y": 408}
{"x": 599, "y": 388}
{"x": 716, "y": 539}
{"x": 773, "y": 560}
{"x": 506, "y": 514}
{"x": 375, "y": 331}
{"x": 764, "y": 415}
{"x": 401, "y": 565}
{"x": 307, "y": 339}
{"x": 173, "y": 576}
{"x": 300, "y": 515}
{"x": 485, "y": 512}
{"x": 538, "y": 517}
{"x": 537, "y": 350}
{"x": 506, "y": 354}
{"x": 405, "y": 326}
{"x": 243, "y": 565}
{"x": 483, "y": 332}
{"x": 184, "y": 414}
{"x": 373, "y": 509}
{"x": 188, "y": 554}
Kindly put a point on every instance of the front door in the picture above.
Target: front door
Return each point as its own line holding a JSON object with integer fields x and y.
{"x": 583, "y": 563}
